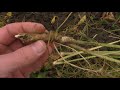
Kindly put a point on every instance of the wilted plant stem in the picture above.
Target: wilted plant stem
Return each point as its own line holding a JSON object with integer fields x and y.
{"x": 52, "y": 37}
{"x": 95, "y": 54}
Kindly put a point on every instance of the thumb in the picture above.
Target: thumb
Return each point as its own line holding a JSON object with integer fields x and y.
{"x": 23, "y": 56}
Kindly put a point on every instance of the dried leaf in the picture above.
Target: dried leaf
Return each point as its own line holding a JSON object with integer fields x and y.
{"x": 54, "y": 19}
{"x": 108, "y": 16}
{"x": 9, "y": 14}
{"x": 82, "y": 20}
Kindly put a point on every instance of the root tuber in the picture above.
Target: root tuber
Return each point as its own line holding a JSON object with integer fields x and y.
{"x": 27, "y": 38}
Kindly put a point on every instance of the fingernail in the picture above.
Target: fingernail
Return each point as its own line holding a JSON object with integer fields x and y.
{"x": 39, "y": 47}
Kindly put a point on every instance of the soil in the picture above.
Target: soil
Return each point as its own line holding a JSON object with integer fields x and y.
{"x": 39, "y": 17}
{"x": 45, "y": 19}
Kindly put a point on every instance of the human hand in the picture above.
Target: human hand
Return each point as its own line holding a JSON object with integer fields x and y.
{"x": 17, "y": 61}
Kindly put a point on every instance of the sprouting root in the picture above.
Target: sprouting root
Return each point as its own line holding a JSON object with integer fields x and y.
{"x": 27, "y": 38}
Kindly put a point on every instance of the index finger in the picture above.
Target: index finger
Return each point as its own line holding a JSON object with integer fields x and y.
{"x": 8, "y": 32}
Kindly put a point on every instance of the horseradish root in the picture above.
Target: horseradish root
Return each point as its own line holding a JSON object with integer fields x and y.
{"x": 28, "y": 38}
